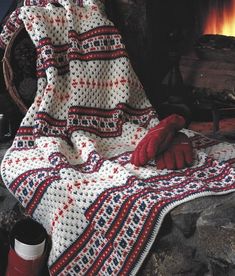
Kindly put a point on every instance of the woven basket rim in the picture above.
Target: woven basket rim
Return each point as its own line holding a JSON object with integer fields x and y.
{"x": 9, "y": 74}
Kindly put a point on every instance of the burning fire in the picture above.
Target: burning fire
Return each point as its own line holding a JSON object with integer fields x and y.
{"x": 221, "y": 19}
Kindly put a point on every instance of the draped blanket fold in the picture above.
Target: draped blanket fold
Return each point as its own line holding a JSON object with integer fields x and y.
{"x": 69, "y": 164}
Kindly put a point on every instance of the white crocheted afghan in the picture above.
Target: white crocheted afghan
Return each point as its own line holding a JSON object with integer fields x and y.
{"x": 69, "y": 164}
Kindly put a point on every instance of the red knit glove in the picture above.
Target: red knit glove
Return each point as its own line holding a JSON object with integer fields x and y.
{"x": 157, "y": 139}
{"x": 178, "y": 156}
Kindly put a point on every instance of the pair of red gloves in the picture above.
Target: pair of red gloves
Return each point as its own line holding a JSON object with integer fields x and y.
{"x": 171, "y": 150}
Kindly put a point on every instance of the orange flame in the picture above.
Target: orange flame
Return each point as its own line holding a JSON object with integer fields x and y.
{"x": 221, "y": 20}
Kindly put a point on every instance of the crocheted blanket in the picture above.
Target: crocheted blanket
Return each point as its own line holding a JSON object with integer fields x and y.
{"x": 69, "y": 164}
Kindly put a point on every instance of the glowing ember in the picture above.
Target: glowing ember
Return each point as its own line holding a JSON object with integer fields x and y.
{"x": 221, "y": 19}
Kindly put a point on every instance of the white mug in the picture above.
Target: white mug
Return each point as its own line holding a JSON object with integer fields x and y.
{"x": 28, "y": 238}
{"x": 28, "y": 251}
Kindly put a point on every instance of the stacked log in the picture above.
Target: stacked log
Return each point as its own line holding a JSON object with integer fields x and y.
{"x": 213, "y": 75}
{"x": 211, "y": 71}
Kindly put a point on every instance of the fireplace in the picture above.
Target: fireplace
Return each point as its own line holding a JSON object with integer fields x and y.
{"x": 208, "y": 67}
{"x": 202, "y": 35}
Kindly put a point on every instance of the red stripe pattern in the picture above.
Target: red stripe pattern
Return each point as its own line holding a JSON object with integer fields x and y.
{"x": 69, "y": 164}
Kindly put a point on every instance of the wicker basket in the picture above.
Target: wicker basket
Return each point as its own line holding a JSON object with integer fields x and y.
{"x": 12, "y": 76}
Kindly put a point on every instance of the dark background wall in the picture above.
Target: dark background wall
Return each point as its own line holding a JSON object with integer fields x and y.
{"x": 147, "y": 27}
